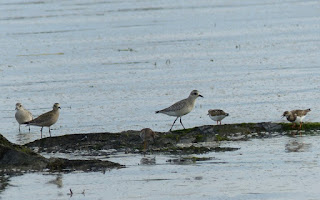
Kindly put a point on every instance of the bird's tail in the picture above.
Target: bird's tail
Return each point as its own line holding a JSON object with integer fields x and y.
{"x": 26, "y": 123}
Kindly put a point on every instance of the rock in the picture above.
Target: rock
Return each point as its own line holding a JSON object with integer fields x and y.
{"x": 59, "y": 164}
{"x": 195, "y": 140}
{"x": 20, "y": 158}
{"x": 130, "y": 142}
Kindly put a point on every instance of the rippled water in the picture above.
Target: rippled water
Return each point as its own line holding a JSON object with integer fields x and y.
{"x": 276, "y": 168}
{"x": 111, "y": 64}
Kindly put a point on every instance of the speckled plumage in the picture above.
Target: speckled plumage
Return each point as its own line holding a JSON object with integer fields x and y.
{"x": 296, "y": 116}
{"x": 147, "y": 135}
{"x": 217, "y": 115}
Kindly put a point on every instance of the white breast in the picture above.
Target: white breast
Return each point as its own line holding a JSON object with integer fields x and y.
{"x": 299, "y": 119}
{"x": 217, "y": 117}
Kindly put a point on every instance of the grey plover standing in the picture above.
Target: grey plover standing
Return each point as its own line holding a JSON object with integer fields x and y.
{"x": 47, "y": 119}
{"x": 22, "y": 115}
{"x": 217, "y": 115}
{"x": 182, "y": 107}
{"x": 296, "y": 116}
{"x": 147, "y": 135}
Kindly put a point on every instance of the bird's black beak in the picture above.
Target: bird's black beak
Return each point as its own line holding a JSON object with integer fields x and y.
{"x": 200, "y": 95}
{"x": 59, "y": 107}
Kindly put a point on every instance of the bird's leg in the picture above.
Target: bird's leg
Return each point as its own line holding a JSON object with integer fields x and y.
{"x": 29, "y": 129}
{"x": 220, "y": 122}
{"x": 300, "y": 125}
{"x": 19, "y": 128}
{"x": 182, "y": 124}
{"x": 49, "y": 131}
{"x": 41, "y": 131}
{"x": 173, "y": 123}
{"x": 217, "y": 123}
{"x": 154, "y": 140}
{"x": 145, "y": 146}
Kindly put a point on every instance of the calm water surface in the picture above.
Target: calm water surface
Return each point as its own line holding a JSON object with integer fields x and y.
{"x": 277, "y": 168}
{"x": 111, "y": 64}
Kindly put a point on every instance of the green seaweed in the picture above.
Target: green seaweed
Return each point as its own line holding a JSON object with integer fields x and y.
{"x": 305, "y": 126}
{"x": 174, "y": 137}
{"x": 188, "y": 130}
{"x": 5, "y": 143}
{"x": 199, "y": 138}
{"x": 311, "y": 126}
{"x": 98, "y": 147}
{"x": 56, "y": 165}
{"x": 195, "y": 159}
{"x": 247, "y": 125}
{"x": 221, "y": 138}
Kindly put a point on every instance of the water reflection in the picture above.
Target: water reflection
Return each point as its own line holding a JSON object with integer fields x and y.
{"x": 295, "y": 133}
{"x": 148, "y": 161}
{"x": 23, "y": 138}
{"x": 4, "y": 182}
{"x": 57, "y": 181}
{"x": 297, "y": 145}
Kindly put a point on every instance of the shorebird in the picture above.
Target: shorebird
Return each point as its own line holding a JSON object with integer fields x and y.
{"x": 182, "y": 107}
{"x": 46, "y": 119}
{"x": 296, "y": 116}
{"x": 147, "y": 135}
{"x": 217, "y": 115}
{"x": 22, "y": 115}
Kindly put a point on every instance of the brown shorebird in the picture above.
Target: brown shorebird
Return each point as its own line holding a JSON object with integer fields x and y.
{"x": 182, "y": 107}
{"x": 147, "y": 135}
{"x": 217, "y": 115}
{"x": 296, "y": 116}
{"x": 22, "y": 115}
{"x": 47, "y": 119}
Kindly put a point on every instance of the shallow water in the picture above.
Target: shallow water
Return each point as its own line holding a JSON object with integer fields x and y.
{"x": 111, "y": 64}
{"x": 276, "y": 168}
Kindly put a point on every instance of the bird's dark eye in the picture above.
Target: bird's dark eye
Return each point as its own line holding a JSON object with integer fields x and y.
{"x": 195, "y": 93}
